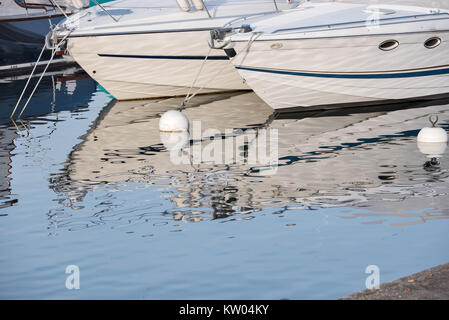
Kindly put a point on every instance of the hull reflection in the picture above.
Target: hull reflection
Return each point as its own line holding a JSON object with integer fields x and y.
{"x": 366, "y": 160}
{"x": 7, "y": 136}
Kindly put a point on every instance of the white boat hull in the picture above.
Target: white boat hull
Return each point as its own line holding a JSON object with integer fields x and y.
{"x": 155, "y": 49}
{"x": 155, "y": 64}
{"x": 345, "y": 70}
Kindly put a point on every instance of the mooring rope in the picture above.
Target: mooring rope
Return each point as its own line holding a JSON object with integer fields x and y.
{"x": 28, "y": 82}
{"x": 189, "y": 97}
{"x": 38, "y": 82}
{"x": 54, "y": 50}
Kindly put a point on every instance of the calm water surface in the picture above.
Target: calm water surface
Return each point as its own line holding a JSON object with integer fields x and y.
{"x": 85, "y": 181}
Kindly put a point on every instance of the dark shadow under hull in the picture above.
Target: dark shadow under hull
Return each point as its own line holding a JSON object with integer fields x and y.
{"x": 362, "y": 107}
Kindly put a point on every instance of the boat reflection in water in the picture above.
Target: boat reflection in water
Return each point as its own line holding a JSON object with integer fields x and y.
{"x": 365, "y": 160}
{"x": 68, "y": 90}
{"x": 59, "y": 91}
{"x": 7, "y": 136}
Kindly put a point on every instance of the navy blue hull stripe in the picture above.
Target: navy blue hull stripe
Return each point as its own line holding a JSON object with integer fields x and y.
{"x": 163, "y": 57}
{"x": 410, "y": 74}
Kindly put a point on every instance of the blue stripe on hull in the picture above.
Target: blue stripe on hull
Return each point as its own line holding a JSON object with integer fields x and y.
{"x": 412, "y": 74}
{"x": 163, "y": 57}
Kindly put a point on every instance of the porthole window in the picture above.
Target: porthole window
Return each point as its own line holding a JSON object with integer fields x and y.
{"x": 389, "y": 45}
{"x": 432, "y": 43}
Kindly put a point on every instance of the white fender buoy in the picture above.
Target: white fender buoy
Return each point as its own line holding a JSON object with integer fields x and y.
{"x": 432, "y": 141}
{"x": 198, "y": 4}
{"x": 433, "y": 134}
{"x": 184, "y": 5}
{"x": 173, "y": 121}
{"x": 173, "y": 141}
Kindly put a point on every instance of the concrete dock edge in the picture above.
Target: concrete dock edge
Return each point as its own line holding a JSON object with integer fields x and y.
{"x": 430, "y": 284}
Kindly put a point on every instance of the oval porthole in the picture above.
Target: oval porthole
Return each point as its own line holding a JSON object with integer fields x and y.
{"x": 389, "y": 45}
{"x": 432, "y": 43}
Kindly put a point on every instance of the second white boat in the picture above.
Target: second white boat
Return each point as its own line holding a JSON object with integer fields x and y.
{"x": 324, "y": 55}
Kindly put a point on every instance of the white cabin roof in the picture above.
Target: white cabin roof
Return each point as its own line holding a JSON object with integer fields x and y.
{"x": 344, "y": 19}
{"x": 156, "y": 16}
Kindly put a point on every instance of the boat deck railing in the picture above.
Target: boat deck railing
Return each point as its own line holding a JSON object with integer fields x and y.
{"x": 357, "y": 24}
{"x": 28, "y": 4}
